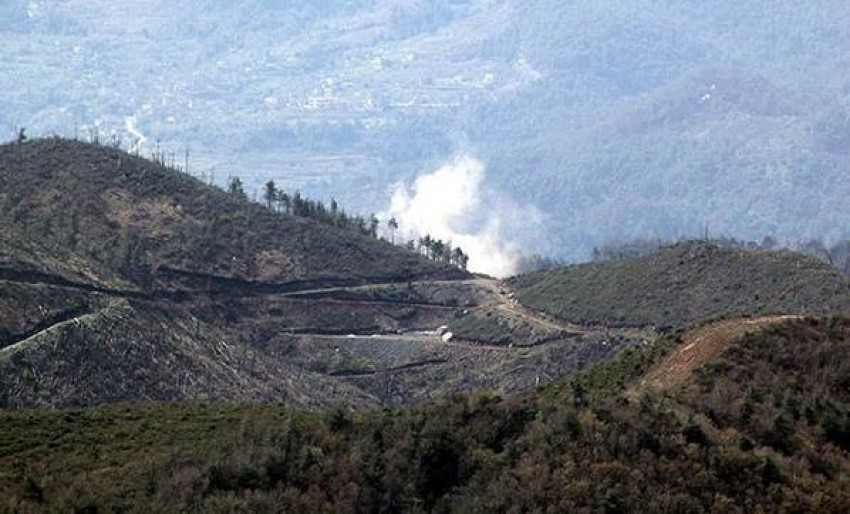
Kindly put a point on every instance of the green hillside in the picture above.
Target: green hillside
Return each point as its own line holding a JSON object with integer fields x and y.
{"x": 684, "y": 283}
{"x": 765, "y": 425}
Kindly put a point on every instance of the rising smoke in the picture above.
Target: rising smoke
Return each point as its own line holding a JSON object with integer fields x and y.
{"x": 140, "y": 139}
{"x": 452, "y": 204}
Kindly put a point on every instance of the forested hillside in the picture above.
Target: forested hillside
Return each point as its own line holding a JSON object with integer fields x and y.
{"x": 763, "y": 426}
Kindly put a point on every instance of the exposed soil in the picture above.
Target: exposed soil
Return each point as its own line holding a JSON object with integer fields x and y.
{"x": 360, "y": 346}
{"x": 701, "y": 344}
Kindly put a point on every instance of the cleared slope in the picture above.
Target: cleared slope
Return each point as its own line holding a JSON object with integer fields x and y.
{"x": 101, "y": 216}
{"x": 131, "y": 351}
{"x": 121, "y": 280}
{"x": 684, "y": 283}
{"x": 271, "y": 348}
{"x": 124, "y": 280}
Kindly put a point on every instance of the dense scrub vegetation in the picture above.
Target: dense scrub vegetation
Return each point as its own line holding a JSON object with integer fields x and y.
{"x": 684, "y": 283}
{"x": 766, "y": 425}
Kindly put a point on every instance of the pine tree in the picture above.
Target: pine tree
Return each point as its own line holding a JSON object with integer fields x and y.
{"x": 437, "y": 250}
{"x": 334, "y": 211}
{"x": 236, "y": 188}
{"x": 284, "y": 202}
{"x": 270, "y": 194}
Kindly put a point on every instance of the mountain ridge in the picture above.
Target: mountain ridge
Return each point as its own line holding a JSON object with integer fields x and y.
{"x": 163, "y": 220}
{"x": 123, "y": 279}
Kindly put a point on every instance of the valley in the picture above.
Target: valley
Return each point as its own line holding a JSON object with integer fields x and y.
{"x": 628, "y": 119}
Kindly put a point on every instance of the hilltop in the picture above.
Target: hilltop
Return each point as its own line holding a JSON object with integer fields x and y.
{"x": 684, "y": 283}
{"x": 122, "y": 279}
{"x": 97, "y": 215}
{"x": 151, "y": 358}
{"x": 761, "y": 425}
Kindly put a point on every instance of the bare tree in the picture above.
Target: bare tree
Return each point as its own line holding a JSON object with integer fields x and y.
{"x": 392, "y": 224}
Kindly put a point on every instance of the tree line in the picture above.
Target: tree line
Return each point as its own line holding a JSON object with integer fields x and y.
{"x": 837, "y": 254}
{"x": 294, "y": 204}
{"x": 438, "y": 250}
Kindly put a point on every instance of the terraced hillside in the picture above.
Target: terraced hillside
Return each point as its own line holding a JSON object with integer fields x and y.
{"x": 77, "y": 348}
{"x": 124, "y": 280}
{"x": 684, "y": 283}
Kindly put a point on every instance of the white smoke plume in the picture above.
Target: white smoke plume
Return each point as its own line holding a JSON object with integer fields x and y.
{"x": 141, "y": 140}
{"x": 451, "y": 204}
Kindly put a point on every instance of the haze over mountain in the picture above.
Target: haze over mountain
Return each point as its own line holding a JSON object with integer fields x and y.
{"x": 617, "y": 120}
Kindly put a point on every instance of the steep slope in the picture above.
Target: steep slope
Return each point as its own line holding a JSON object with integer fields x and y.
{"x": 764, "y": 425}
{"x": 685, "y": 283}
{"x": 101, "y": 216}
{"x": 109, "y": 269}
{"x": 130, "y": 351}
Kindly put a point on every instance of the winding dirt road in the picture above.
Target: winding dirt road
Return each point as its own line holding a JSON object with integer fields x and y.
{"x": 701, "y": 344}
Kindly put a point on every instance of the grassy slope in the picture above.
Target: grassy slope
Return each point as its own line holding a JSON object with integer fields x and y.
{"x": 765, "y": 424}
{"x": 99, "y": 215}
{"x": 684, "y": 283}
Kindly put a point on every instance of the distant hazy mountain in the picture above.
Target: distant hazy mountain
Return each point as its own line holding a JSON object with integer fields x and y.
{"x": 616, "y": 119}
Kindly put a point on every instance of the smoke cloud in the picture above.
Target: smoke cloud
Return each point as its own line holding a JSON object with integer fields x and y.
{"x": 452, "y": 204}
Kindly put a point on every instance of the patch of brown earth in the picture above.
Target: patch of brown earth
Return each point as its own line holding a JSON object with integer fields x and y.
{"x": 701, "y": 344}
